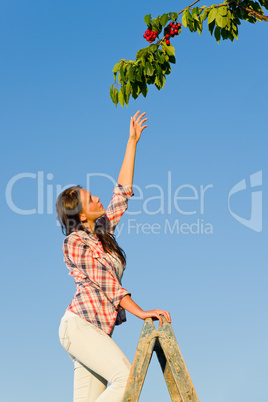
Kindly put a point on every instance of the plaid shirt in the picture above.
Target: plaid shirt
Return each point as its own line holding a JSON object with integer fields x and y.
{"x": 98, "y": 290}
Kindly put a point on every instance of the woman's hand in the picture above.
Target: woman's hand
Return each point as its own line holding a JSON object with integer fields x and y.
{"x": 125, "y": 177}
{"x": 136, "y": 126}
{"x": 156, "y": 315}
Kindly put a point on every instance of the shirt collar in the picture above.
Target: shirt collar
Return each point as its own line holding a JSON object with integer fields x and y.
{"x": 86, "y": 235}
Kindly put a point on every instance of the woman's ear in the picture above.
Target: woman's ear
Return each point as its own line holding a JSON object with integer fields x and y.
{"x": 82, "y": 217}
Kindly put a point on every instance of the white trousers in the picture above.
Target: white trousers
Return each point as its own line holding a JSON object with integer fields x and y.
{"x": 97, "y": 359}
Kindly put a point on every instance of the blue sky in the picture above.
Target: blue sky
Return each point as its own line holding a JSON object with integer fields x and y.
{"x": 193, "y": 257}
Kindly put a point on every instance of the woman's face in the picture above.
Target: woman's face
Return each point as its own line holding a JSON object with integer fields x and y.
{"x": 92, "y": 209}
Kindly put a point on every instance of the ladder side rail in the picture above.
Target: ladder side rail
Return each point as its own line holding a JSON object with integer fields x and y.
{"x": 178, "y": 367}
{"x": 172, "y": 386}
{"x": 141, "y": 362}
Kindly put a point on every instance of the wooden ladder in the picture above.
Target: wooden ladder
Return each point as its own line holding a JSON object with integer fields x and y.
{"x": 164, "y": 343}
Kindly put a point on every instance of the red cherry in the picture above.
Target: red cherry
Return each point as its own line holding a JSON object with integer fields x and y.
{"x": 172, "y": 34}
{"x": 175, "y": 31}
{"x": 167, "y": 36}
{"x": 179, "y": 24}
{"x": 156, "y": 32}
{"x": 144, "y": 36}
{"x": 167, "y": 42}
{"x": 171, "y": 24}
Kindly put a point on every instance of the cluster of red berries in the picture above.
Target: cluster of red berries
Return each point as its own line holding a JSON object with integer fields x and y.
{"x": 150, "y": 35}
{"x": 171, "y": 30}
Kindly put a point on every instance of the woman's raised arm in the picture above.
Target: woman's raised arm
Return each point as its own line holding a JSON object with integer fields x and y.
{"x": 125, "y": 177}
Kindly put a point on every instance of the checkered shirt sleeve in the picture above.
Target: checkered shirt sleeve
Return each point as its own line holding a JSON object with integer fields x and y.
{"x": 116, "y": 208}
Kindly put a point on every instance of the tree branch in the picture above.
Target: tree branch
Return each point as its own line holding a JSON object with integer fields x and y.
{"x": 248, "y": 10}
{"x": 188, "y": 6}
{"x": 254, "y": 13}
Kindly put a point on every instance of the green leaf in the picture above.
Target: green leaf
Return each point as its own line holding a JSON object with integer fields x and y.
{"x": 149, "y": 69}
{"x": 151, "y": 58}
{"x": 211, "y": 27}
{"x": 131, "y": 73}
{"x": 228, "y": 20}
{"x": 112, "y": 92}
{"x": 224, "y": 33}
{"x": 158, "y": 70}
{"x": 195, "y": 13}
{"x": 153, "y": 48}
{"x": 167, "y": 68}
{"x": 147, "y": 19}
{"x": 144, "y": 89}
{"x": 115, "y": 96}
{"x": 230, "y": 36}
{"x": 212, "y": 15}
{"x": 160, "y": 56}
{"x": 143, "y": 61}
{"x": 160, "y": 82}
{"x": 122, "y": 74}
{"x": 117, "y": 66}
{"x": 164, "y": 19}
{"x": 139, "y": 74}
{"x": 169, "y": 49}
{"x": 128, "y": 91}
{"x": 200, "y": 27}
{"x": 204, "y": 15}
{"x": 156, "y": 25}
{"x": 220, "y": 20}
{"x": 223, "y": 11}
{"x": 191, "y": 25}
{"x": 184, "y": 19}
{"x": 235, "y": 31}
{"x": 141, "y": 52}
{"x": 217, "y": 34}
{"x": 151, "y": 79}
{"x": 172, "y": 59}
{"x": 135, "y": 91}
{"x": 121, "y": 97}
{"x": 189, "y": 15}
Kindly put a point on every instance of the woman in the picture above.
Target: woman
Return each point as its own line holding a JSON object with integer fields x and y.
{"x": 96, "y": 262}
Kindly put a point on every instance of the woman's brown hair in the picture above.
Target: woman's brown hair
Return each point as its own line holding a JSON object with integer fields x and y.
{"x": 69, "y": 206}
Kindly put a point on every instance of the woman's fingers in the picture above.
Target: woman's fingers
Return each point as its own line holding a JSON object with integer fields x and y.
{"x": 142, "y": 128}
{"x": 136, "y": 118}
{"x": 143, "y": 121}
{"x": 157, "y": 315}
{"x": 136, "y": 114}
{"x": 140, "y": 117}
{"x": 167, "y": 315}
